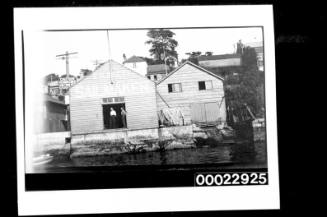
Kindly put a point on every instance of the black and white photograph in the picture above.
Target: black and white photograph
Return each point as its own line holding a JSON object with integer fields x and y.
{"x": 147, "y": 104}
{"x": 111, "y": 105}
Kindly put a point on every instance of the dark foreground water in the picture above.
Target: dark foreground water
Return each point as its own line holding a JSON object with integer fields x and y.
{"x": 245, "y": 155}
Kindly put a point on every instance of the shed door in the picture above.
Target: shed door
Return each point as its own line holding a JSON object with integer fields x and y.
{"x": 198, "y": 112}
{"x": 212, "y": 112}
{"x": 205, "y": 112}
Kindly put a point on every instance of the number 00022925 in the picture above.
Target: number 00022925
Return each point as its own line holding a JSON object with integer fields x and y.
{"x": 219, "y": 179}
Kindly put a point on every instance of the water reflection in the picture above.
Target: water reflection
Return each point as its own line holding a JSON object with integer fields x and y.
{"x": 163, "y": 158}
{"x": 246, "y": 153}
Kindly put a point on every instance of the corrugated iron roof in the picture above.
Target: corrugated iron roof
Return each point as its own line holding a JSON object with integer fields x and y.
{"x": 157, "y": 68}
{"x": 218, "y": 57}
{"x": 195, "y": 66}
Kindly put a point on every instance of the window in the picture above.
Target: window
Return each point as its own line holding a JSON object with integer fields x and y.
{"x": 155, "y": 77}
{"x": 208, "y": 85}
{"x": 113, "y": 100}
{"x": 149, "y": 77}
{"x": 205, "y": 85}
{"x": 170, "y": 88}
{"x": 118, "y": 99}
{"x": 202, "y": 85}
{"x": 173, "y": 88}
{"x": 134, "y": 65}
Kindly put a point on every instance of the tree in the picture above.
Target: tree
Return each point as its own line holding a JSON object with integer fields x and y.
{"x": 248, "y": 87}
{"x": 162, "y": 45}
{"x": 193, "y": 56}
{"x": 149, "y": 61}
{"x": 208, "y": 53}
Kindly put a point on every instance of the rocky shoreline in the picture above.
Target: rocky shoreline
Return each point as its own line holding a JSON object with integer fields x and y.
{"x": 169, "y": 140}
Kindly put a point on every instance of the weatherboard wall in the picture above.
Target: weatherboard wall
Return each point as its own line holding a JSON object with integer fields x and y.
{"x": 189, "y": 76}
{"x": 140, "y": 67}
{"x": 86, "y": 113}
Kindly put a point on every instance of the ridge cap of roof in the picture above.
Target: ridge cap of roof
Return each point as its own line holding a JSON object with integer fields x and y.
{"x": 194, "y": 65}
{"x": 104, "y": 63}
{"x": 220, "y": 55}
{"x": 129, "y": 60}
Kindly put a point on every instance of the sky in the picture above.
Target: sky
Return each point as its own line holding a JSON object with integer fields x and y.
{"x": 92, "y": 46}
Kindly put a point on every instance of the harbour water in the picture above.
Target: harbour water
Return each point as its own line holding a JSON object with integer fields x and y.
{"x": 240, "y": 155}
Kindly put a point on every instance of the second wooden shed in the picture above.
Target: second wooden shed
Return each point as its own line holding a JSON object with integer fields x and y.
{"x": 198, "y": 92}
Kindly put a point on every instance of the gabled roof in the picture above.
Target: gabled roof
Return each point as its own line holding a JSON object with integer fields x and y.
{"x": 195, "y": 66}
{"x": 134, "y": 59}
{"x": 103, "y": 64}
{"x": 157, "y": 68}
{"x": 218, "y": 57}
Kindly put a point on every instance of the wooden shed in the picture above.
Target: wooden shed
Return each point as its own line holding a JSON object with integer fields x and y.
{"x": 196, "y": 91}
{"x": 115, "y": 86}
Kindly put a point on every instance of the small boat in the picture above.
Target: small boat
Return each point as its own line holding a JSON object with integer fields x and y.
{"x": 42, "y": 159}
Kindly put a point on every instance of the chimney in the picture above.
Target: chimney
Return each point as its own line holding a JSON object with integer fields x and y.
{"x": 124, "y": 57}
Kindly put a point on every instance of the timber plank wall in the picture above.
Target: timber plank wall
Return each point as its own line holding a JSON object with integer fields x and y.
{"x": 189, "y": 76}
{"x": 86, "y": 99}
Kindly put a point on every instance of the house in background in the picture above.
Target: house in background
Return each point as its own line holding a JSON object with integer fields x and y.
{"x": 53, "y": 88}
{"x": 83, "y": 73}
{"x": 115, "y": 86}
{"x": 258, "y": 47}
{"x": 219, "y": 61}
{"x": 51, "y": 115}
{"x": 197, "y": 92}
{"x": 65, "y": 82}
{"x": 137, "y": 64}
{"x": 157, "y": 72}
{"x": 61, "y": 86}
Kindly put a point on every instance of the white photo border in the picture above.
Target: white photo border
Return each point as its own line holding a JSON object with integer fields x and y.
{"x": 149, "y": 199}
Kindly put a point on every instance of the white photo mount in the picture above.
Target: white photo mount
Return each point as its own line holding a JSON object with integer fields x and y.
{"x": 28, "y": 20}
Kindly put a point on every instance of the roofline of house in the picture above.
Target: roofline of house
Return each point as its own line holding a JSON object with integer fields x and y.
{"x": 194, "y": 65}
{"x": 222, "y": 57}
{"x": 134, "y": 72}
{"x": 128, "y": 60}
{"x": 101, "y": 67}
{"x": 156, "y": 73}
{"x": 164, "y": 68}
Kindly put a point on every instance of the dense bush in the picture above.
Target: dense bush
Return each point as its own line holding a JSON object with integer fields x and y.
{"x": 246, "y": 85}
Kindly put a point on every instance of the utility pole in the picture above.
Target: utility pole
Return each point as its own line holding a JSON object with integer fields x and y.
{"x": 65, "y": 56}
{"x": 109, "y": 54}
